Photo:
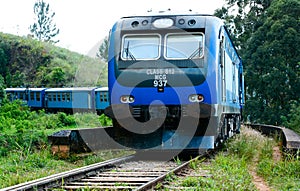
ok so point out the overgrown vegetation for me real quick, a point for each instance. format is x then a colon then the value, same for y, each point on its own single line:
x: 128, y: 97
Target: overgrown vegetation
x: 30, y: 63
x: 232, y: 168
x: 24, y: 148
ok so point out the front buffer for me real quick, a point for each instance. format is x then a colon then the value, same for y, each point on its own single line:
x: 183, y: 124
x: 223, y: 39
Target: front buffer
x: 192, y: 129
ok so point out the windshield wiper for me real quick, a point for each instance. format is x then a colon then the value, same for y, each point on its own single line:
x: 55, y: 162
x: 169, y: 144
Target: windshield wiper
x: 196, y: 52
x: 128, y: 53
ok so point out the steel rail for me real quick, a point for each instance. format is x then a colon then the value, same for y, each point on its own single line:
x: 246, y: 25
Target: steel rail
x: 57, y: 179
x: 151, y: 184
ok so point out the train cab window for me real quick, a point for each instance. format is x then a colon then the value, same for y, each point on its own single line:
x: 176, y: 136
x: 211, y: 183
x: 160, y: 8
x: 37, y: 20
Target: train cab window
x: 184, y: 46
x: 140, y: 47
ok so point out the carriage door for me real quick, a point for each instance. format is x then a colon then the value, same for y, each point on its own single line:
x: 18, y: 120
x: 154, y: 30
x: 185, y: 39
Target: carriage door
x: 222, y: 64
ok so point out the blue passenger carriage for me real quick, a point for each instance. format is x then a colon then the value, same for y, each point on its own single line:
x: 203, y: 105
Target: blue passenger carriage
x: 70, y: 99
x: 175, y: 81
x: 16, y: 93
x: 33, y: 97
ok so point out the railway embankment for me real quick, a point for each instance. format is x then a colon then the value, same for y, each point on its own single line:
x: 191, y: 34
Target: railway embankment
x: 248, y: 161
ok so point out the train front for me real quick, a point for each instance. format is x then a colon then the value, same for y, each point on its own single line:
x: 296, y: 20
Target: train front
x: 159, y: 90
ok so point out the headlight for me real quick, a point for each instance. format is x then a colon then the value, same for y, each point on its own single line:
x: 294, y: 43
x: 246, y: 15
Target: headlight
x: 196, y: 98
x: 163, y: 23
x: 127, y: 99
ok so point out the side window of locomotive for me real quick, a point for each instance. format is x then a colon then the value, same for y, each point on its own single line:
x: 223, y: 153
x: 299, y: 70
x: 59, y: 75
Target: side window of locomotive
x: 184, y: 46
x: 140, y: 47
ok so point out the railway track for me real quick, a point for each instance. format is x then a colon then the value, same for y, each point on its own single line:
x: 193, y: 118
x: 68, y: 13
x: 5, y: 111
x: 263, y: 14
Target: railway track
x: 56, y: 180
x: 126, y: 173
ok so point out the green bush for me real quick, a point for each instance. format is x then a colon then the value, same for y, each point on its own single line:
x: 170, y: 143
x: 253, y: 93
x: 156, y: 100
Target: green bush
x: 25, y: 130
x: 294, y: 117
x: 105, y: 121
x: 66, y: 120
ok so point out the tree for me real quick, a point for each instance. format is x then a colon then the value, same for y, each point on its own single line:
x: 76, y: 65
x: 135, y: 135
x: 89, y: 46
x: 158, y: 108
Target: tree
x: 242, y: 18
x: 267, y: 35
x: 56, y: 77
x: 272, y: 56
x: 103, y: 50
x: 43, y: 28
x: 4, y: 58
x: 2, y: 86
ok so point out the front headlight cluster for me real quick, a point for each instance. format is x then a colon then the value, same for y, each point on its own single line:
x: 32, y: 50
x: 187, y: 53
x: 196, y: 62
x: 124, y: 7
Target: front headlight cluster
x: 127, y: 99
x: 196, y: 98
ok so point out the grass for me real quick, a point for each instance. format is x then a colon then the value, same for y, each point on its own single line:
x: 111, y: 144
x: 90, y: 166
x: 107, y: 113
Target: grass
x: 24, y: 150
x: 20, y: 167
x: 284, y: 174
x: 230, y: 169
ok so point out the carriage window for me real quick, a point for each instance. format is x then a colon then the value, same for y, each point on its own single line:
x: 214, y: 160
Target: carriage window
x: 54, y: 96
x: 63, y: 97
x: 103, y: 97
x: 68, y: 96
x: 31, y: 95
x: 184, y: 46
x: 49, y: 97
x: 38, y: 97
x: 140, y: 47
x: 22, y: 96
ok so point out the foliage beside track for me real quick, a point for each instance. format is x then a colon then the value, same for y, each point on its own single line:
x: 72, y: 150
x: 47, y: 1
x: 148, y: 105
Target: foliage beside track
x: 233, y: 168
x: 24, y: 150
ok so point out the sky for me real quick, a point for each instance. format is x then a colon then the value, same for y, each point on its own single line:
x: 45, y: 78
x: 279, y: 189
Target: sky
x: 84, y: 24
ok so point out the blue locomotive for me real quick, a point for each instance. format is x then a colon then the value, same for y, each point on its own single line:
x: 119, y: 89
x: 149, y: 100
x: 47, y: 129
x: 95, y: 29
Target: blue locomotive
x: 76, y: 99
x: 175, y: 82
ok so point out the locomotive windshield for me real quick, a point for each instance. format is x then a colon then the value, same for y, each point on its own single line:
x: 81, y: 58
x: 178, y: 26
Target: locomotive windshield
x: 178, y: 46
x: 184, y: 46
x: 141, y: 47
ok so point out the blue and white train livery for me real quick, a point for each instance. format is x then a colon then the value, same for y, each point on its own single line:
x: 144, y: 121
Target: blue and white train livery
x: 75, y: 99
x: 175, y: 81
